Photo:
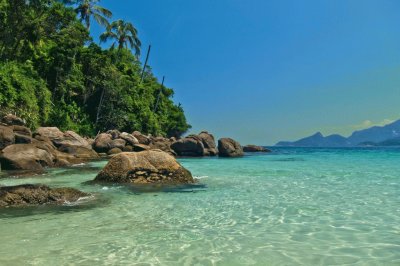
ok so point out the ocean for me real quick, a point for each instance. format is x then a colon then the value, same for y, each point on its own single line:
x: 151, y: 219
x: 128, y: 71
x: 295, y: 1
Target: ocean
x: 295, y: 206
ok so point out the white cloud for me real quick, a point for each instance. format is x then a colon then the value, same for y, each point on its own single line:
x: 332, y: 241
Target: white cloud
x: 368, y: 123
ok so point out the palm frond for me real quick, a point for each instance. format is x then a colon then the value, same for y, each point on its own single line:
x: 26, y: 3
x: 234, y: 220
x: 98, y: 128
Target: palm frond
x: 104, y: 11
x: 100, y: 19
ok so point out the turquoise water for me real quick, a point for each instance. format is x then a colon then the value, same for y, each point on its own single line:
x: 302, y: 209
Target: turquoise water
x: 292, y: 207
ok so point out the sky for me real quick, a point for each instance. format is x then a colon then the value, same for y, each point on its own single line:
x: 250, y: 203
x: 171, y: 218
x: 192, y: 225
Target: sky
x: 264, y: 71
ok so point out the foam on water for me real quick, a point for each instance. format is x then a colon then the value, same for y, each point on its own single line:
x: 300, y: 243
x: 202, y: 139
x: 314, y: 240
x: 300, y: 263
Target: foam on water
x: 292, y: 207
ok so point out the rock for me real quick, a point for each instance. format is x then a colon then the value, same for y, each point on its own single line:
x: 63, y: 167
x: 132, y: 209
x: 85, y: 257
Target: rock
x: 163, y: 144
x: 255, y: 148
x: 192, y: 145
x: 59, y: 138
x: 73, y: 139
x: 208, y: 140
x: 128, y: 138
x: 117, y: 143
x: 26, y: 157
x: 102, y: 142
x: 22, y: 130
x: 128, y: 148
x: 13, y: 120
x: 90, y: 141
x: 228, y: 147
x: 29, y: 195
x: 141, y: 147
x: 78, y: 152
x: 49, y: 132
x: 7, y: 137
x: 141, y: 138
x: 146, y: 167
x: 114, y: 133
x: 114, y: 151
x: 22, y: 139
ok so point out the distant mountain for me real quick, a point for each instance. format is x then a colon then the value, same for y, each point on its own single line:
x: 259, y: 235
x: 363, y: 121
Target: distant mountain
x: 317, y: 140
x: 376, y: 134
x: 388, y: 135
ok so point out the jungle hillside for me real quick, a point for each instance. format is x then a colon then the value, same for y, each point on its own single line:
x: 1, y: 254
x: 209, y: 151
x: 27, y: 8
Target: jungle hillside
x: 53, y: 73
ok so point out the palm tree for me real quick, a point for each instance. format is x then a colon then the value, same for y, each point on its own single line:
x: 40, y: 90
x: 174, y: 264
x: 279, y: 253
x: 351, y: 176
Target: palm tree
x: 89, y: 8
x: 124, y: 34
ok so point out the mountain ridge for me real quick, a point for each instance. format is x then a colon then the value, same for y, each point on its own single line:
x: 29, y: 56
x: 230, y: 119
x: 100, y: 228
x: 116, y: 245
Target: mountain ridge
x: 371, y: 136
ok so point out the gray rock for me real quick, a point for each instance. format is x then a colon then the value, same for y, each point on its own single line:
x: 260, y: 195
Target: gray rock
x: 228, y: 147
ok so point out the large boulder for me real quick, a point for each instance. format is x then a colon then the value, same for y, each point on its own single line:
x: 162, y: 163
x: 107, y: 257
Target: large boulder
x: 208, y: 140
x: 60, y: 138
x: 73, y: 139
x: 146, y: 167
x: 117, y: 143
x: 228, y: 147
x: 30, y: 195
x: 163, y: 144
x: 82, y: 153
x: 141, y: 138
x: 7, y: 136
x: 130, y: 139
x: 26, y: 157
x: 255, y: 148
x: 22, y: 134
x: 192, y: 145
x: 102, y: 142
x: 13, y: 120
x: 114, y: 133
x: 51, y: 133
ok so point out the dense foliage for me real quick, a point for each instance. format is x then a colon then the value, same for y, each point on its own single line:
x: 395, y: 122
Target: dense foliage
x: 52, y: 73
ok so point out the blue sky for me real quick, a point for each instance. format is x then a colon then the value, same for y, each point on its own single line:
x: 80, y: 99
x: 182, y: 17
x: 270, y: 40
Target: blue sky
x: 263, y: 71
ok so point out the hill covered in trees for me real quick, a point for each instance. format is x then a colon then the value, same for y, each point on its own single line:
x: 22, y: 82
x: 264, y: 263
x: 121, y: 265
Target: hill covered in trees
x: 53, y: 74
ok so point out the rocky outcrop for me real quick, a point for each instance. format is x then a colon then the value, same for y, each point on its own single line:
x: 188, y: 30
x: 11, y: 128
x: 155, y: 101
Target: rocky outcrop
x: 255, y: 148
x: 191, y: 145
x: 51, y: 133
x: 26, y: 157
x: 130, y: 139
x: 7, y: 136
x: 163, y: 144
x: 59, y: 138
x: 146, y: 167
x: 143, y: 139
x: 102, y: 142
x: 80, y: 153
x: 208, y: 140
x: 114, y: 151
x: 228, y: 147
x: 32, y: 195
x: 13, y: 120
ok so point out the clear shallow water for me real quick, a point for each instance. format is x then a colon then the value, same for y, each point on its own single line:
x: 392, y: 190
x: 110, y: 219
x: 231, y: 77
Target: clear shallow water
x: 292, y: 207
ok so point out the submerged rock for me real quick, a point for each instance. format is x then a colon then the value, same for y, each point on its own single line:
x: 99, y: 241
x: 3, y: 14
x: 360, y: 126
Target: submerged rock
x: 228, y: 147
x: 146, y: 167
x: 255, y: 148
x: 29, y: 195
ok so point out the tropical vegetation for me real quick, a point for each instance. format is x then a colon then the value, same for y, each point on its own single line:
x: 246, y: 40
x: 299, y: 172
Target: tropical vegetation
x: 53, y: 73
